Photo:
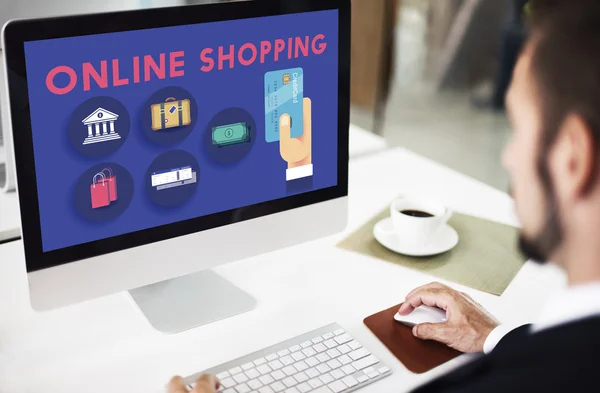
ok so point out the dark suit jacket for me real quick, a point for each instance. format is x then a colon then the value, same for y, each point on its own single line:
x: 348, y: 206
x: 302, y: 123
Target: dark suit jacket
x: 564, y: 359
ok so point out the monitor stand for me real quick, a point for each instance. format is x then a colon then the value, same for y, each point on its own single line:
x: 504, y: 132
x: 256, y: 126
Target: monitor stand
x: 183, y: 303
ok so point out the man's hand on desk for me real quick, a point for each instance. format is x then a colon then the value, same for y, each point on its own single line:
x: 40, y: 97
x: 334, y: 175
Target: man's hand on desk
x: 467, y: 324
x: 205, y: 384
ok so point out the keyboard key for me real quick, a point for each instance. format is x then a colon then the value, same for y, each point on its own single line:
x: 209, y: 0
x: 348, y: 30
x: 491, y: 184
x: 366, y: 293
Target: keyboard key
x: 271, y: 357
x: 334, y: 364
x: 284, y: 352
x: 304, y: 387
x: 383, y: 370
x: 243, y: 388
x: 337, y: 386
x: 323, y: 368
x: 252, y: 374
x: 323, y: 357
x: 317, y: 340
x: 326, y: 378
x: 369, y: 370
x: 223, y: 375
x: 345, y: 359
x: 301, y: 365
x: 344, y: 349
x: 362, y: 378
x: 343, y: 339
x: 292, y: 390
x: 278, y: 375
x: 338, y: 374
x: 301, y: 377
x: 228, y: 382
x: 289, y: 382
x: 256, y: 384
x: 247, y: 366
x: 359, y: 354
x: 374, y: 374
x: 289, y: 370
x: 287, y: 360
x: 235, y: 370
x: 265, y: 389
x: 312, y: 361
x: 322, y: 389
x: 228, y: 391
x: 308, y: 352
x: 264, y: 369
x: 350, y: 381
x: 278, y: 387
x: 339, y: 332
x: 354, y: 345
x: 266, y: 379
x: 315, y: 383
x: 295, y: 348
x: 365, y: 362
x: 259, y: 362
x: 306, y: 344
x: 348, y: 369
x: 298, y: 356
x: 276, y: 365
x: 240, y: 378
x: 333, y: 353
x: 330, y: 344
x: 312, y: 373
x: 319, y: 348
x: 327, y: 336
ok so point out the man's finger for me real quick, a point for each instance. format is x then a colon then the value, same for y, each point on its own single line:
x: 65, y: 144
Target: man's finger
x: 431, y: 285
x: 429, y: 297
x: 176, y: 385
x: 206, y: 384
x: 431, y: 331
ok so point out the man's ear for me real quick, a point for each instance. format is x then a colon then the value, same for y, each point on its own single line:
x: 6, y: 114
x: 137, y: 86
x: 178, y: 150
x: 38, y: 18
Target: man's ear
x: 573, y: 159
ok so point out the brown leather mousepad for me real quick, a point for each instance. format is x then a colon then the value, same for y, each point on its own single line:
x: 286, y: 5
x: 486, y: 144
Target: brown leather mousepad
x: 417, y: 355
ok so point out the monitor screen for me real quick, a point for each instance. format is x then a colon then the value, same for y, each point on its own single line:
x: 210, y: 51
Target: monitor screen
x: 140, y: 129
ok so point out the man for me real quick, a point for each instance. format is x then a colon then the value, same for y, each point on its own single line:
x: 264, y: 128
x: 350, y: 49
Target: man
x: 554, y: 163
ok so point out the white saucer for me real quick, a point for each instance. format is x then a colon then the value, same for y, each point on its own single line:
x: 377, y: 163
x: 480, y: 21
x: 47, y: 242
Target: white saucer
x: 446, y: 239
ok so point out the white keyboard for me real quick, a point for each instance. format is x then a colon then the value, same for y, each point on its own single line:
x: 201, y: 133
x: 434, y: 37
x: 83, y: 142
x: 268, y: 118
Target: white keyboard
x: 327, y: 360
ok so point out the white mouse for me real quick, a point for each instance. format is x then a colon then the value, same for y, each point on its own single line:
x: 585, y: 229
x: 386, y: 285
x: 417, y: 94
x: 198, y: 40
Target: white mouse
x: 423, y: 314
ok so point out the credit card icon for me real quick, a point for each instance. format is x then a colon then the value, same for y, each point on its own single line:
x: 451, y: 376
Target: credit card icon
x: 284, y: 94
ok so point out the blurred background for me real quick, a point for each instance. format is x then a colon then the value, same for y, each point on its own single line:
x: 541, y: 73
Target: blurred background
x: 428, y: 75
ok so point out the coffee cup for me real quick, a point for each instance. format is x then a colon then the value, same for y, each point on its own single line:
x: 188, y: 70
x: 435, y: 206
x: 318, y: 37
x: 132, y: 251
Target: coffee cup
x: 416, y: 220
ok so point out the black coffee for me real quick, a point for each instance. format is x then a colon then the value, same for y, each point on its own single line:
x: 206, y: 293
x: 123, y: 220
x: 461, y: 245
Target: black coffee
x: 416, y: 213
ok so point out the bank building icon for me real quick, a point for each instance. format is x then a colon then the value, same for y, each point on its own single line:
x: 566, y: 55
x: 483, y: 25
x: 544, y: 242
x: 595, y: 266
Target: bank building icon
x: 101, y: 127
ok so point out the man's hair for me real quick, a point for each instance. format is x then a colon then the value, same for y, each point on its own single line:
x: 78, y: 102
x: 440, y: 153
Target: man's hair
x: 565, y: 64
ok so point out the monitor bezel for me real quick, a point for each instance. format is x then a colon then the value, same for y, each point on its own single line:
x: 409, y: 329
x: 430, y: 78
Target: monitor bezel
x: 17, y: 33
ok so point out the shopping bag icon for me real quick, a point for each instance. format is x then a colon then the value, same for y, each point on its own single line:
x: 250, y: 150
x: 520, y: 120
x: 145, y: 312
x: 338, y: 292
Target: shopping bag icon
x: 99, y: 191
x: 111, y: 179
x: 170, y: 114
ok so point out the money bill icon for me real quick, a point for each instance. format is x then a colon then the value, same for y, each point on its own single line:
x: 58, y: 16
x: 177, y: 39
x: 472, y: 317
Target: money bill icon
x: 231, y: 134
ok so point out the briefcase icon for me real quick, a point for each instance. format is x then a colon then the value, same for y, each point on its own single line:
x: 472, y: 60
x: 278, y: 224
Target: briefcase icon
x: 170, y: 114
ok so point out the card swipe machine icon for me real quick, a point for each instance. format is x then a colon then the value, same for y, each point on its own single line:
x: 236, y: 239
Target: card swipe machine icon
x: 170, y: 114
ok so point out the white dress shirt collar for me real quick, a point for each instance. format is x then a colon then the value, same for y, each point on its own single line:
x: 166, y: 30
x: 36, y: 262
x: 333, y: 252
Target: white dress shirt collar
x: 569, y: 305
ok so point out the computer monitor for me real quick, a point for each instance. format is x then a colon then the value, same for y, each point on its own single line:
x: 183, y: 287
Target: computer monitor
x: 154, y: 144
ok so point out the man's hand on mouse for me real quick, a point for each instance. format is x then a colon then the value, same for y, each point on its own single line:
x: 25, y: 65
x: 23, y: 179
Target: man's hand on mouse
x: 467, y: 324
x: 204, y: 384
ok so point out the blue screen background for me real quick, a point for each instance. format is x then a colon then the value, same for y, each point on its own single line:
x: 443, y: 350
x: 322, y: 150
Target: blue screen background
x: 260, y: 176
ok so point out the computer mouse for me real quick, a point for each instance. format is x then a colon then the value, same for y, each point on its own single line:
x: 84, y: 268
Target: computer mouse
x: 423, y: 314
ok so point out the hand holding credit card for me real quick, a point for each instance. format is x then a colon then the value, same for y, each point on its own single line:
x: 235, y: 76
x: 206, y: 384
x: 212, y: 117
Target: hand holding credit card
x: 297, y: 152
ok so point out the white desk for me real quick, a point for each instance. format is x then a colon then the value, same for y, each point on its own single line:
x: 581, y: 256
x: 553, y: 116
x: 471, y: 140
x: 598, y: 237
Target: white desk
x: 364, y: 143
x: 105, y: 345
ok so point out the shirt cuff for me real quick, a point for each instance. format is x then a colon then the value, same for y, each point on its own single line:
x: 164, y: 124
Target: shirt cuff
x: 496, y: 336
x: 299, y: 172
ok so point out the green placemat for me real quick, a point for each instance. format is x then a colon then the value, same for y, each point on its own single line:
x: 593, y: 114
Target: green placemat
x: 486, y: 257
